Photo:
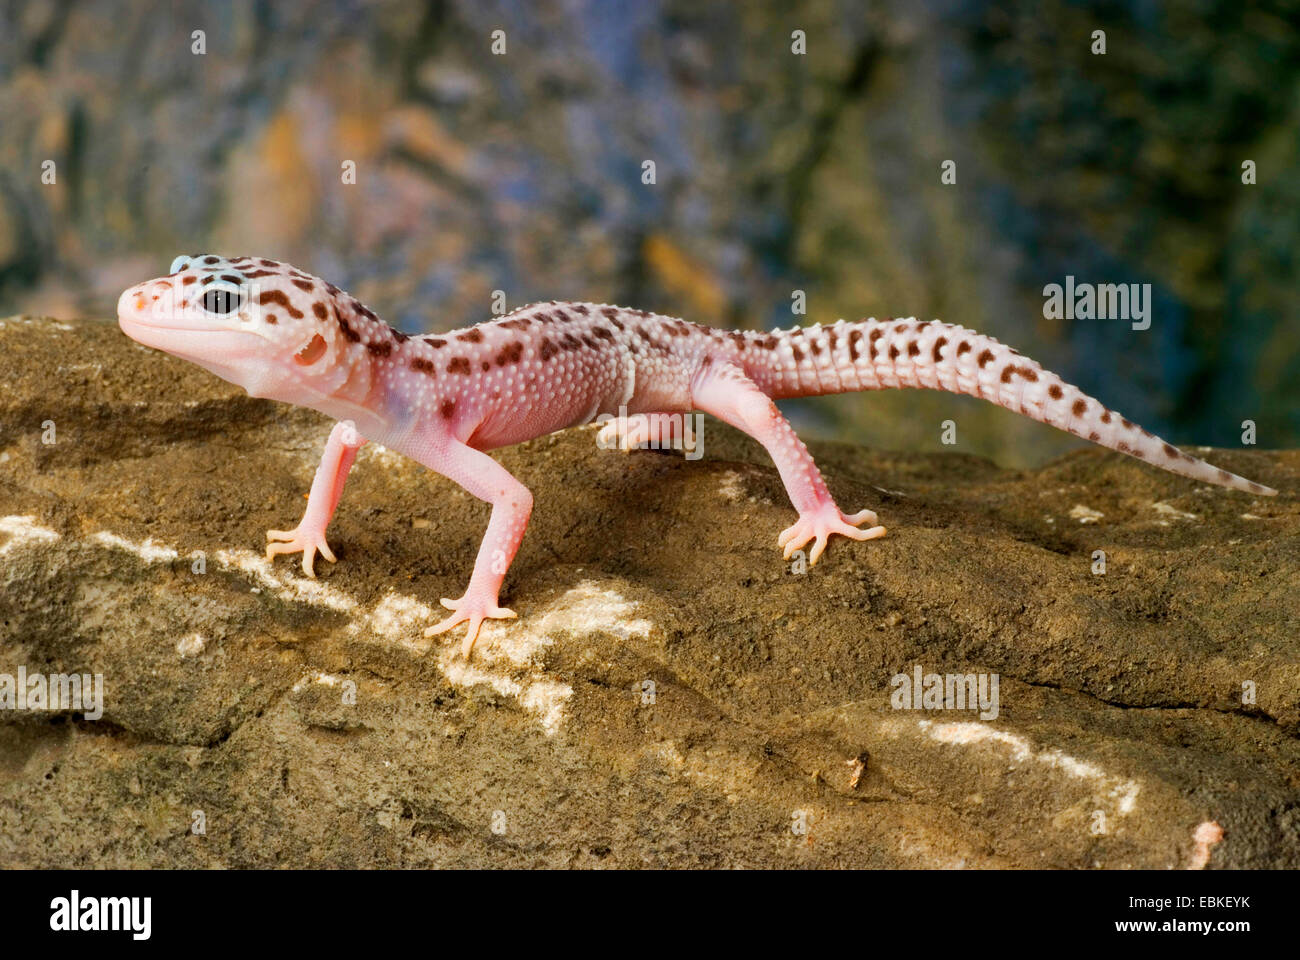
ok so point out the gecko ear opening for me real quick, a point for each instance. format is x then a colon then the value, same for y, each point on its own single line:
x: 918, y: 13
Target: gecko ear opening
x: 314, y: 350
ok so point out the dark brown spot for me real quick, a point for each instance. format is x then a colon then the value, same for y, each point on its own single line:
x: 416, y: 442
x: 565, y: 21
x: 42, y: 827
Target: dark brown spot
x: 708, y: 361
x: 798, y: 354
x: 963, y: 347
x: 435, y: 342
x: 278, y: 297
x: 348, y: 331
x: 609, y: 312
x: 816, y: 347
x: 616, y: 323
x: 900, y: 327
x: 985, y: 357
x: 1055, y: 391
x: 1029, y: 374
x: 518, y: 323
x: 512, y: 353
x: 486, y: 366
x: 603, y: 332
x: 1105, y: 416
x: 380, y: 349
x: 458, y: 365
x: 938, y: 346
x: 643, y: 335
x: 580, y: 308
x: 1171, y: 451
x: 1080, y: 408
x: 1008, y: 372
x: 548, y: 349
x: 447, y: 409
x: 211, y: 259
x: 302, y: 284
x: 1094, y: 436
x: 268, y: 263
x: 768, y: 343
x: 590, y: 343
x: 318, y: 308
x: 913, y: 349
x: 893, y: 351
x: 1128, y: 424
x: 254, y: 274
x: 470, y: 336
x: 231, y: 278
x: 422, y: 365
x: 1123, y: 447
x: 186, y: 281
x: 270, y: 318
x: 570, y: 342
x: 854, y: 337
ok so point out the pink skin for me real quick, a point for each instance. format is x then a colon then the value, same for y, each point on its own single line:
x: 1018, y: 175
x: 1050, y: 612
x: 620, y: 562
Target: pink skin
x: 445, y: 399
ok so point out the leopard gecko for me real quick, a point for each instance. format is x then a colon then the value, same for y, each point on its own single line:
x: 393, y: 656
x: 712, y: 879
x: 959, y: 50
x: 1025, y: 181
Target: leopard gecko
x: 445, y: 399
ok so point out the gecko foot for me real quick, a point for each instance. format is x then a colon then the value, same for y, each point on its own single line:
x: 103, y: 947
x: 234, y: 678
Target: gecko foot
x: 298, y: 539
x: 475, y: 611
x: 821, y: 524
x: 641, y: 430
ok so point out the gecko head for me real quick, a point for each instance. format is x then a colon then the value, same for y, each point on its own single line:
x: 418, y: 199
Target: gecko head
x: 270, y: 328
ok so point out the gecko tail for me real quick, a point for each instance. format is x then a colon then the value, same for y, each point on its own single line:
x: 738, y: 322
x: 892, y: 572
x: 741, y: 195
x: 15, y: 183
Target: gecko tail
x: 879, y: 355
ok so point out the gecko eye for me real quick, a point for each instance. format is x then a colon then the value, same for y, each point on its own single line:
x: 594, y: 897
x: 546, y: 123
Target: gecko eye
x: 222, y: 301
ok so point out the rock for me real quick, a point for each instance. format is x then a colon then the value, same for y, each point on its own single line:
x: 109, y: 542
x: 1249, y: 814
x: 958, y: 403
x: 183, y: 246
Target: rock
x: 673, y: 694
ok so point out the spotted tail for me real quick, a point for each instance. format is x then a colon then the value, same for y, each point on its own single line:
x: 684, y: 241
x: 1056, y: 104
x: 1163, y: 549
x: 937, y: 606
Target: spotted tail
x: 871, y: 355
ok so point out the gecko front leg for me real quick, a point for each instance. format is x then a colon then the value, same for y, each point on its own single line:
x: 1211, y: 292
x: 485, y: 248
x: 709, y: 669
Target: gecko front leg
x: 729, y: 395
x: 309, y: 536
x: 512, y: 504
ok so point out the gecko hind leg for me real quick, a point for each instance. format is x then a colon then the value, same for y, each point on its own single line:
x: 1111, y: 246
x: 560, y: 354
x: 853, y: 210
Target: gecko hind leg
x: 732, y: 397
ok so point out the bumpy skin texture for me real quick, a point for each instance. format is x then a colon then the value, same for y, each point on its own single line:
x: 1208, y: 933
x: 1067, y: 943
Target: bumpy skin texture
x: 444, y: 399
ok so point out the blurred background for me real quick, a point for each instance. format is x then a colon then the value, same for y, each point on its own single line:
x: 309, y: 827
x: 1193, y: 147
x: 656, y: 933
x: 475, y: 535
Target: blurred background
x: 774, y: 172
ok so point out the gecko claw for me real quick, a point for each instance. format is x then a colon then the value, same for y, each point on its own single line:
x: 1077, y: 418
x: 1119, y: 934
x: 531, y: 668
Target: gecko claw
x: 293, y: 541
x: 472, y: 611
x: 820, y: 526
